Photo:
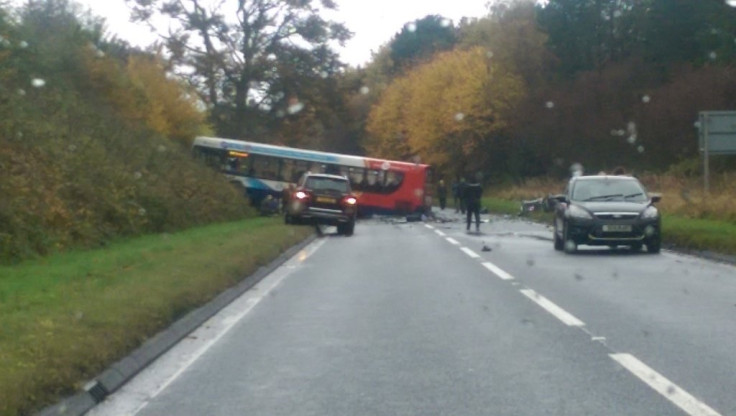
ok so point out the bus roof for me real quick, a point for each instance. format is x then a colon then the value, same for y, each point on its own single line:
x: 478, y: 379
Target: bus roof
x: 302, y: 154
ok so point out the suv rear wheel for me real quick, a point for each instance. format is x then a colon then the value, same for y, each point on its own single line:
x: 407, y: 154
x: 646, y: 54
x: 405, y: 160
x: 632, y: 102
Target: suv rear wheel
x: 346, y: 228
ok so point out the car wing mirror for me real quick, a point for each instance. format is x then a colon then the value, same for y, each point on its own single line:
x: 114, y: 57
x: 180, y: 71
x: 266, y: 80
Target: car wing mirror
x: 558, y: 198
x: 655, y: 197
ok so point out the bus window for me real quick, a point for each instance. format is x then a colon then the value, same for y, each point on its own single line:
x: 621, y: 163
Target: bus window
x: 332, y: 169
x: 288, y: 170
x: 393, y: 181
x: 265, y: 167
x: 213, y: 158
x: 317, y: 167
x: 356, y: 176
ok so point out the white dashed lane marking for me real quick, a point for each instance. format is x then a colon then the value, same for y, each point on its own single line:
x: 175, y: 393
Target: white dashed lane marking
x: 470, y: 252
x: 559, y: 313
x: 497, y: 271
x: 656, y: 381
x: 663, y: 386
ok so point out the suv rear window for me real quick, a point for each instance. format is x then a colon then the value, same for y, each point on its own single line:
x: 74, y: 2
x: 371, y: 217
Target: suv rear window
x: 324, y: 184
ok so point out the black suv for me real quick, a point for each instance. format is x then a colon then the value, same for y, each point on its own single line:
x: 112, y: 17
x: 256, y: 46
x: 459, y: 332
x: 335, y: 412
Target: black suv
x: 323, y: 199
x: 607, y: 210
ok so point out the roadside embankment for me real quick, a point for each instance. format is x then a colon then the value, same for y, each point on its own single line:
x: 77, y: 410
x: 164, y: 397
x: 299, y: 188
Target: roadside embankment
x: 67, y: 317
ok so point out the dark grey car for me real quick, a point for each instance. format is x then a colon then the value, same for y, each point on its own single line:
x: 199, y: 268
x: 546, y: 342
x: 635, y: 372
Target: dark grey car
x: 607, y: 211
x: 323, y: 199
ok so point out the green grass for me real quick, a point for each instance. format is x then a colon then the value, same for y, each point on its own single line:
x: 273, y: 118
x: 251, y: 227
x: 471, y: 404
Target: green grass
x: 686, y: 233
x: 700, y: 234
x: 66, y: 317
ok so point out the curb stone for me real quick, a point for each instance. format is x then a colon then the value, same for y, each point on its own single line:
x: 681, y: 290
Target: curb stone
x: 120, y: 372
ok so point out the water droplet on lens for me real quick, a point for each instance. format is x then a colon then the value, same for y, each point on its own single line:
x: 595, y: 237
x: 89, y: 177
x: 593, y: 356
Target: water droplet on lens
x: 631, y: 139
x: 446, y: 22
x: 21, y: 91
x: 411, y: 27
x: 324, y: 74
x: 38, y: 82
x: 23, y: 44
x: 137, y: 175
x: 459, y: 117
x: 295, y: 108
x: 617, y: 13
x: 731, y: 3
x: 645, y: 99
x: 365, y: 90
x: 713, y: 55
x: 640, y: 149
x: 549, y: 104
x: 161, y: 148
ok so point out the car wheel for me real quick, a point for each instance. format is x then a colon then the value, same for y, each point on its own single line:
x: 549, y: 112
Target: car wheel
x: 341, y: 229
x: 654, y: 246
x: 570, y: 246
x: 559, y: 243
x: 349, y: 228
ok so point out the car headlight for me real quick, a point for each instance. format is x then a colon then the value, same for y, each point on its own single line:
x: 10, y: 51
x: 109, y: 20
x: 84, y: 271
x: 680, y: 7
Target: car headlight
x: 574, y: 211
x: 649, y: 213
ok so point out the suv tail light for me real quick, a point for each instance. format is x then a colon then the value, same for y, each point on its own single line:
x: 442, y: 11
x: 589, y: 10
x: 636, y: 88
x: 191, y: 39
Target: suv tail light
x: 350, y: 200
x: 301, y: 195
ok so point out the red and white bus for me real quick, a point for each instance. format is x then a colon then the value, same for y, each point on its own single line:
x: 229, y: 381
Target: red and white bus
x: 384, y: 187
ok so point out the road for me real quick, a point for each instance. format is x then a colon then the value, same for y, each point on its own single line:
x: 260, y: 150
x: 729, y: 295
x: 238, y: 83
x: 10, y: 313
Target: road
x: 426, y: 319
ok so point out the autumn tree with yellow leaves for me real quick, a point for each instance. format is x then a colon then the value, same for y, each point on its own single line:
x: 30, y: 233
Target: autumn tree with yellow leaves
x: 446, y: 111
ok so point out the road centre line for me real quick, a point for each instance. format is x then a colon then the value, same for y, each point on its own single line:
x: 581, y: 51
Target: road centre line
x: 559, y: 313
x: 453, y: 241
x: 439, y: 233
x: 663, y: 386
x: 429, y: 226
x: 470, y: 252
x: 497, y: 271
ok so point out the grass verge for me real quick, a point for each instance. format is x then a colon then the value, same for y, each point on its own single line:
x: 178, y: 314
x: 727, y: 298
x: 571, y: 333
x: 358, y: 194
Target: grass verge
x: 698, y: 234
x: 66, y: 317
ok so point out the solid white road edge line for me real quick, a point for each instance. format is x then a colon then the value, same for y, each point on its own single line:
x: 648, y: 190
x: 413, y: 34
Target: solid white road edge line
x: 497, y: 271
x: 559, y: 313
x: 663, y: 386
x: 453, y: 241
x: 469, y: 252
x: 263, y: 289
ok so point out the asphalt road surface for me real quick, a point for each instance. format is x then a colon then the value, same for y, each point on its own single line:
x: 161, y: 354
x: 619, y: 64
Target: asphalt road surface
x: 426, y: 319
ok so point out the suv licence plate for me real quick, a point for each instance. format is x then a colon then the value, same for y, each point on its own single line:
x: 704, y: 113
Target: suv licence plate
x: 326, y: 200
x: 617, y: 228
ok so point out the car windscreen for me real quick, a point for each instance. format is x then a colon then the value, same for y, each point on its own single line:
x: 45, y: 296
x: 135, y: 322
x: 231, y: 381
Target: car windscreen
x: 609, y: 190
x: 327, y: 184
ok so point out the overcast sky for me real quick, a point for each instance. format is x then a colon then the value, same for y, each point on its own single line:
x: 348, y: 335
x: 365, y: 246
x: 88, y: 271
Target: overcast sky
x: 373, y: 22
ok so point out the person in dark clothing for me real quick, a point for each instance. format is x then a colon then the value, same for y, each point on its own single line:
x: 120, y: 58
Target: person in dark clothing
x: 442, y: 193
x: 459, y: 198
x: 472, y: 193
